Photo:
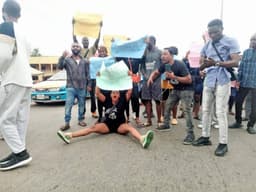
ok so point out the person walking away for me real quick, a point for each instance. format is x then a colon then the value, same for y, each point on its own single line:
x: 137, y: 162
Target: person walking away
x: 17, y: 83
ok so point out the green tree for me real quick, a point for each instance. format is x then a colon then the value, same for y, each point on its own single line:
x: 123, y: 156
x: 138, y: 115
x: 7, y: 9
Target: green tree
x: 35, y: 52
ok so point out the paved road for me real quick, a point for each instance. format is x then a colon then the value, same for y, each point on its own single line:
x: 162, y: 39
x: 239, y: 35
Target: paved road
x: 118, y: 163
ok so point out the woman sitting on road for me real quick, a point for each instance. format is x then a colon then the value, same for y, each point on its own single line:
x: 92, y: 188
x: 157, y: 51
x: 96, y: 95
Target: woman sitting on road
x: 114, y: 121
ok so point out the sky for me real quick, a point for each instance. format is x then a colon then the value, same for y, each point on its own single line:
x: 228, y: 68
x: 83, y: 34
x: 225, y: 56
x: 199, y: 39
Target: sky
x: 173, y: 22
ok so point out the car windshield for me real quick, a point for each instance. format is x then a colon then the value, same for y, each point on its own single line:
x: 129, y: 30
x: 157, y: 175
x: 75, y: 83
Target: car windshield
x: 60, y: 76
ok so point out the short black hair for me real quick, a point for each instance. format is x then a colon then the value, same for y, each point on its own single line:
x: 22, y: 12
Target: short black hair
x: 215, y: 22
x: 153, y: 39
x: 172, y: 50
x: 11, y: 8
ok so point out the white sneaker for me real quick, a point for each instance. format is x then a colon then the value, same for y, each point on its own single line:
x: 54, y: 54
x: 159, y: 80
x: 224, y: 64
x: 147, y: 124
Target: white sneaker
x: 174, y: 122
x: 215, y: 126
x: 200, y: 126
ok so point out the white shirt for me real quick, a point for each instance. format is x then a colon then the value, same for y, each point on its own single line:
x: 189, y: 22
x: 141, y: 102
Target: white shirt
x: 19, y: 72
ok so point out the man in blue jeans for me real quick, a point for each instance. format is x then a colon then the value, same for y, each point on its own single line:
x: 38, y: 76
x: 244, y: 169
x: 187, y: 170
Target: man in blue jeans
x: 78, y: 78
x: 246, y: 83
x: 217, y: 55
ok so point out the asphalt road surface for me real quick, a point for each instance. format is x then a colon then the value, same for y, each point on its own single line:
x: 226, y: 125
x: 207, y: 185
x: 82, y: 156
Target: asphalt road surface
x: 118, y: 163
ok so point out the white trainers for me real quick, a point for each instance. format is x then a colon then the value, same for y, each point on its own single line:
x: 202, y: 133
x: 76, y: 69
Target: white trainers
x: 214, y: 125
x: 200, y: 126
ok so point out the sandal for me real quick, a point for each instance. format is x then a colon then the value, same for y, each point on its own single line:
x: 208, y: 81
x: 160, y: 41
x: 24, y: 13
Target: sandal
x: 197, y: 118
x: 82, y: 123
x: 138, y: 123
x: 147, y: 124
x: 65, y: 127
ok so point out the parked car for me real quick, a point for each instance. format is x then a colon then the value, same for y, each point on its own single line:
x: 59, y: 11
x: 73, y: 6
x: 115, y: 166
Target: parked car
x: 50, y: 90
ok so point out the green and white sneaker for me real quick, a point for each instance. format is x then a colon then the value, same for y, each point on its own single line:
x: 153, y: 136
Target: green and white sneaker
x: 147, y: 138
x: 64, y: 136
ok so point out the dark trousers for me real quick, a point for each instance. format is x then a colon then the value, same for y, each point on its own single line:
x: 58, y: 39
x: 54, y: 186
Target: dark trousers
x: 242, y: 92
x: 135, y: 99
x: 100, y: 109
x: 92, y: 95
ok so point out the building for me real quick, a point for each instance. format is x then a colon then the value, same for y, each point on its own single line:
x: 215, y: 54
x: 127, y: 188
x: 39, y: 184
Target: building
x: 45, y: 64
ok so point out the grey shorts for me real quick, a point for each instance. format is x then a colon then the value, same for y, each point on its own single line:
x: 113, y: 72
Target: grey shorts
x: 153, y: 91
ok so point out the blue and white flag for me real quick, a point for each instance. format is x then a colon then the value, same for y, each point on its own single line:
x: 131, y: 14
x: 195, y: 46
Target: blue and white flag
x: 129, y: 49
x: 96, y: 62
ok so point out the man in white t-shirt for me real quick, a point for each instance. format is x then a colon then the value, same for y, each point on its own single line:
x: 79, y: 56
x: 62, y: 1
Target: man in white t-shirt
x: 17, y: 84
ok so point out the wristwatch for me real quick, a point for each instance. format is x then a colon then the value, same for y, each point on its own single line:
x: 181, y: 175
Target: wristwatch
x: 217, y: 64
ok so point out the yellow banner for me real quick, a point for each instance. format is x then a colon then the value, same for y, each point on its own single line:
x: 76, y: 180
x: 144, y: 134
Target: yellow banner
x: 87, y: 24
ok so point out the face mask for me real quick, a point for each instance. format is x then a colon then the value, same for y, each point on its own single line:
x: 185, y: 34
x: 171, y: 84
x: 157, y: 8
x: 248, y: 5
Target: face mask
x: 76, y: 51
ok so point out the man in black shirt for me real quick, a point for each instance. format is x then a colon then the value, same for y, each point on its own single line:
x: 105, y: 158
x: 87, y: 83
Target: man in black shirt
x: 181, y: 80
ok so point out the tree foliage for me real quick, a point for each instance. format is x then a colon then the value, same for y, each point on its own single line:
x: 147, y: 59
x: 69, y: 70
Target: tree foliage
x: 35, y: 52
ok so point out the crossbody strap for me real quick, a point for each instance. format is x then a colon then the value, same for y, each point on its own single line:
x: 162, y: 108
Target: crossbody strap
x: 216, y: 50
x: 230, y: 70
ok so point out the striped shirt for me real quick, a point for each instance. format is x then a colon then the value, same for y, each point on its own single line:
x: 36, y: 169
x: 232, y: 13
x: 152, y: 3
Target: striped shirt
x: 247, y: 69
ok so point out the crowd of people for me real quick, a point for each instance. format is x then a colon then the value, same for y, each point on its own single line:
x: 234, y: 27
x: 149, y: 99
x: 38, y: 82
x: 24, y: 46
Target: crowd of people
x: 206, y: 89
x: 205, y: 92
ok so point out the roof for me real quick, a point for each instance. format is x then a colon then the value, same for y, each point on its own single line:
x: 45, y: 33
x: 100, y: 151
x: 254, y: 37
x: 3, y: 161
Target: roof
x: 44, y: 60
x: 35, y: 71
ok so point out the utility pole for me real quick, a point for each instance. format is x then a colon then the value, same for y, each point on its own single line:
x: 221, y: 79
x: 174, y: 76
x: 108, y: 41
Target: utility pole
x: 221, y: 9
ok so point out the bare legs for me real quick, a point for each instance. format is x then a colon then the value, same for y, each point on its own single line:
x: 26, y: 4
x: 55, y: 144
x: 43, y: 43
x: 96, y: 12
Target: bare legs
x: 126, y: 128
x: 97, y: 128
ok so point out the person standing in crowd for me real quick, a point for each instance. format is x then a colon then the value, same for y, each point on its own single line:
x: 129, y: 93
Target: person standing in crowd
x: 134, y: 66
x: 102, y: 52
x: 167, y: 88
x: 17, y: 83
x: 247, y: 82
x: 77, y: 69
x: 88, y: 52
x: 247, y: 106
x: 179, y: 76
x: 197, y: 83
x: 232, y: 97
x: 153, y: 91
x: 217, y: 55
